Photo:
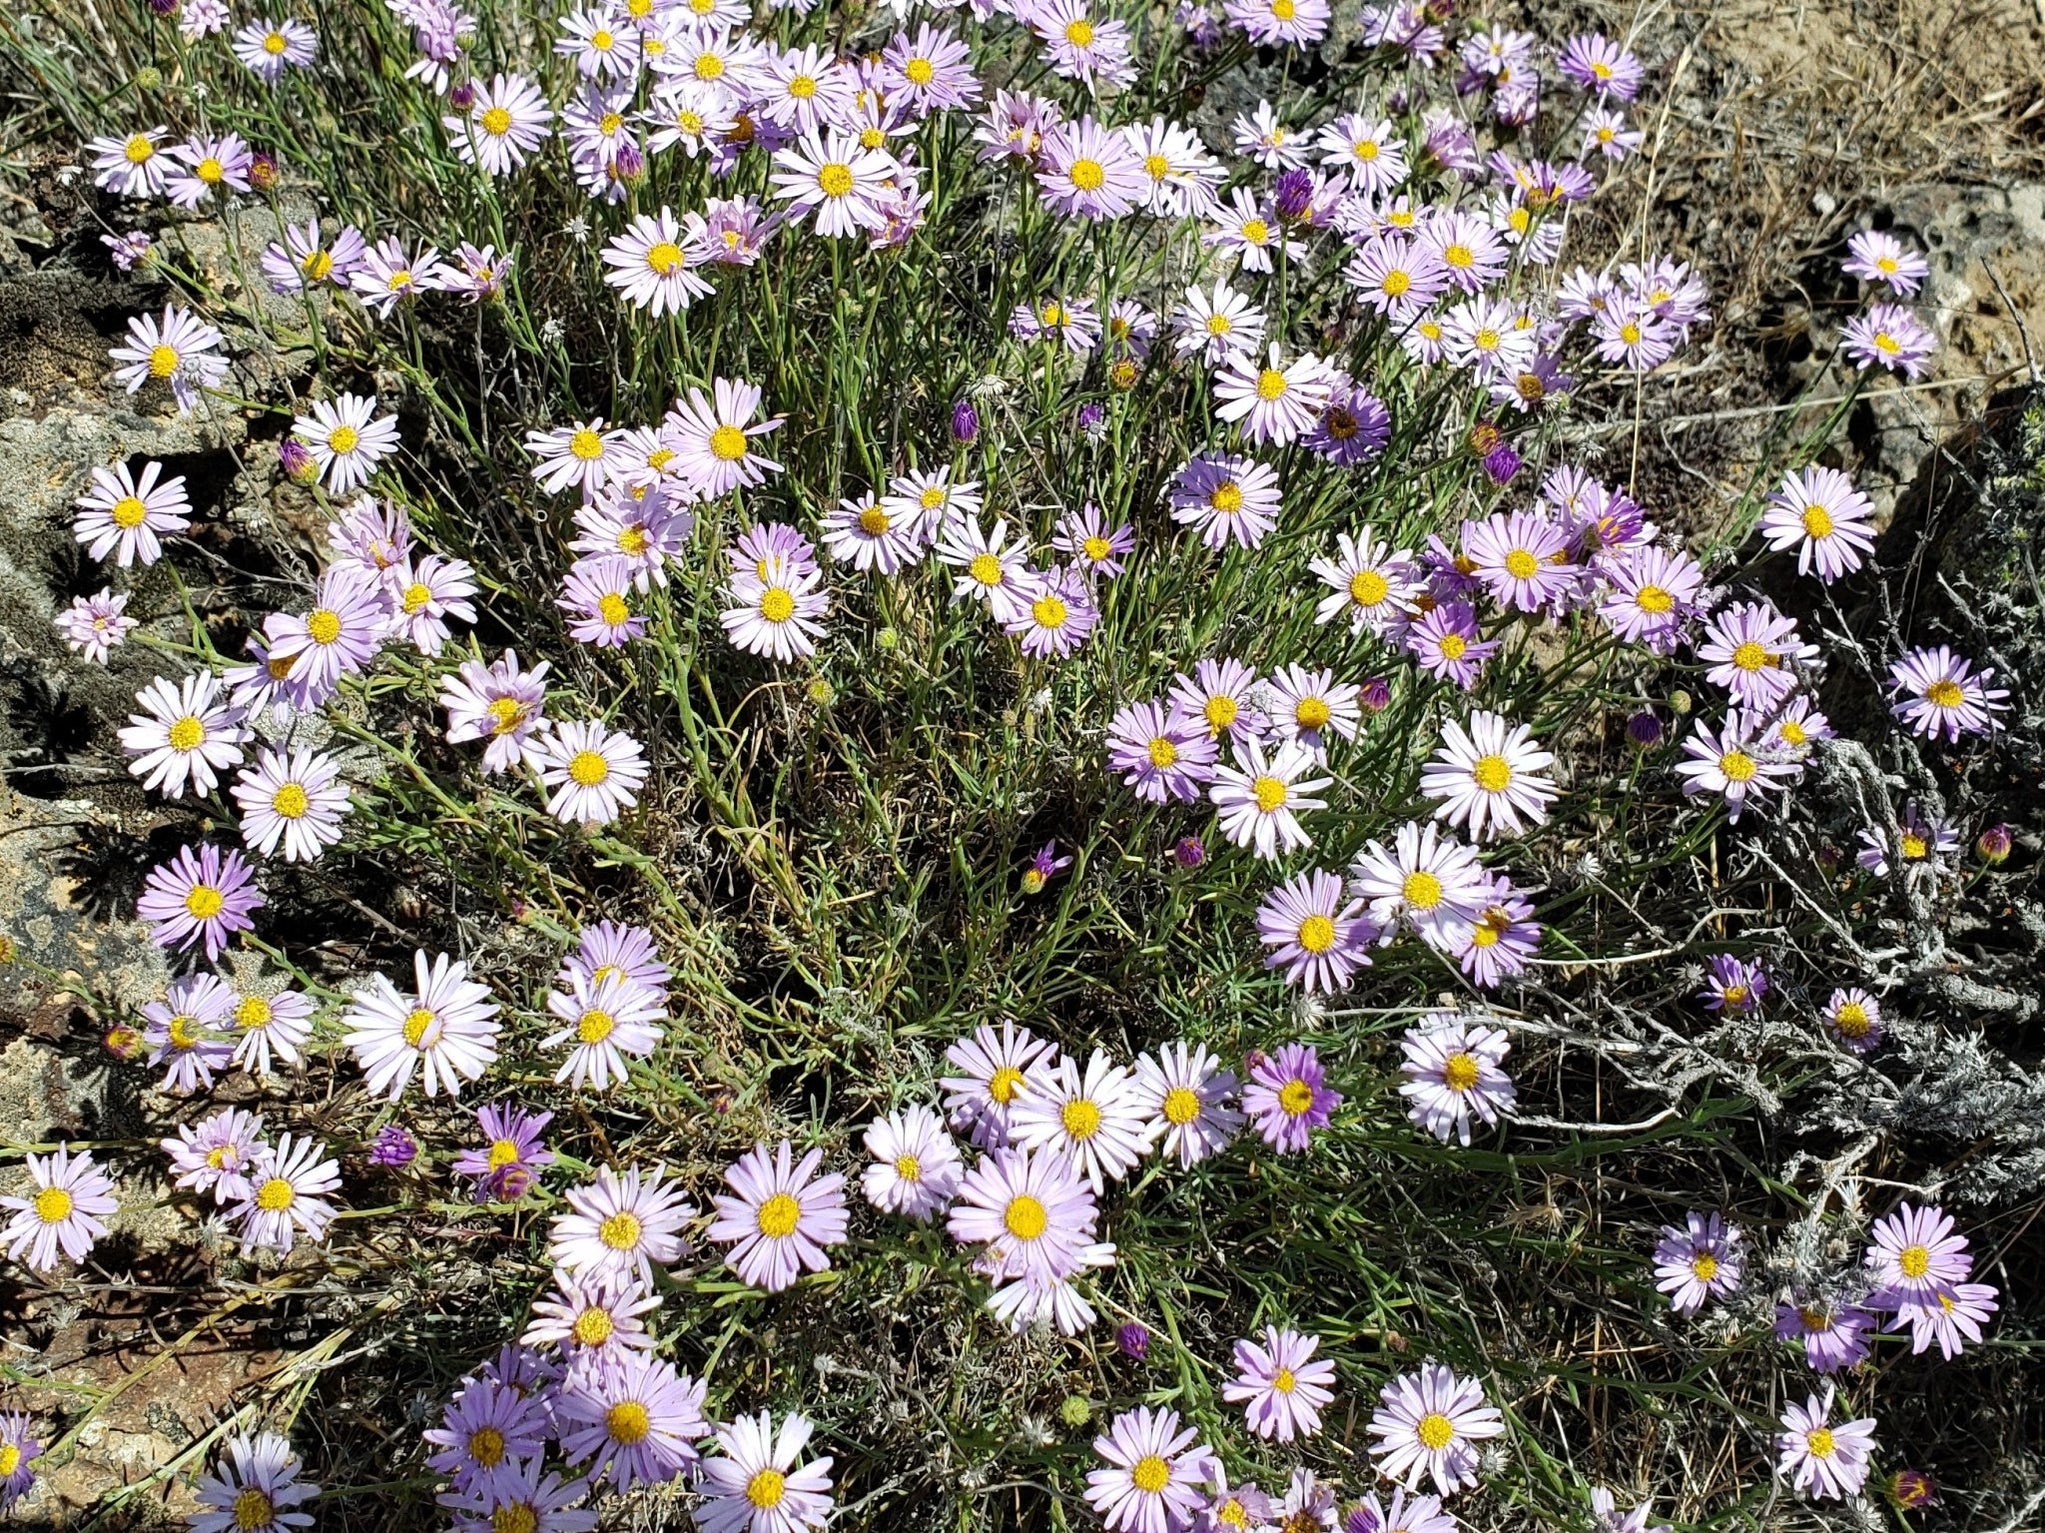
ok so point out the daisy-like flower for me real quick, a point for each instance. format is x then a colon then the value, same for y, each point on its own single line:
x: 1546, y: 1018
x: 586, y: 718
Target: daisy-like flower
x: 1260, y: 135
x: 1220, y: 698
x: 596, y: 597
x: 206, y: 165
x: 1280, y: 1384
x: 1488, y: 776
x: 389, y: 274
x: 867, y: 535
x: 650, y: 264
x: 632, y: 1416
x: 1216, y: 326
x: 1274, y: 23
x: 1918, y: 845
x: 337, y: 636
x: 1834, y: 1336
x: 1952, y: 1319
x: 487, y: 1434
x: 268, y: 48
x: 294, y: 798
x: 446, y: 1028
x: 712, y: 436
x: 1075, y: 322
x: 779, y: 612
x: 200, y: 897
x: 584, y: 454
x: 991, y: 569
x: 1094, y: 1117
x: 1402, y: 1514
x: 1259, y: 799
x: 1229, y: 497
x: 275, y: 1022
x: 1354, y: 427
x: 833, y: 176
x: 301, y: 261
x: 19, y: 1450
x: 619, y: 1225
x: 1502, y: 938
x: 252, y: 1488
x: 1087, y: 170
x: 1891, y: 336
x: 916, y: 1166
x: 1190, y: 1100
x: 1446, y: 642
x: 498, y: 703
x: 288, y: 1184
x: 94, y: 626
x: 131, y: 165
x: 1317, y: 936
x: 1031, y: 1211
x: 1288, y: 1097
x: 506, y: 122
x: 1454, y: 1070
x: 180, y: 349
x: 780, y: 1216
x: 1819, y: 513
x: 534, y: 1498
x: 1272, y: 403
x: 1915, y: 1256
x: 1304, y: 706
x: 1854, y: 1018
x: 425, y: 595
x: 1370, y: 152
x: 127, y: 518
x: 1650, y: 593
x: 1427, y: 1424
x: 1598, y: 64
x: 215, y: 1154
x: 1877, y: 256
x: 1731, y: 762
x: 185, y: 737
x: 994, y: 1064
x: 1153, y: 1476
x: 1060, y: 616
x: 603, y: 44
x: 592, y: 774
x: 605, y: 1021
x: 1939, y: 693
x: 476, y: 272
x: 1396, y: 276
x: 591, y: 1318
x: 1428, y: 881
x: 755, y: 1484
x: 1521, y: 558
x: 1236, y: 1508
x: 185, y: 1031
x: 65, y: 1212
x: 1819, y: 1458
x: 613, y: 948
x: 512, y: 1151
x: 1751, y: 649
x: 646, y: 525
x: 1084, y: 46
x: 1094, y: 547
x: 1732, y: 986
x: 931, y: 72
x: 925, y: 502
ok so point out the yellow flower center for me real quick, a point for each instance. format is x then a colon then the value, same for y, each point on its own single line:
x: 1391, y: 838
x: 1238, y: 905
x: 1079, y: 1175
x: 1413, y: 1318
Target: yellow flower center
x: 1913, y: 1261
x: 276, y: 1195
x: 1256, y: 231
x: 128, y: 511
x: 253, y: 1011
x: 1737, y: 766
x: 506, y: 714
x: 183, y: 1031
x: 1003, y: 1083
x: 612, y: 609
x: 1490, y: 927
x: 873, y: 521
x: 1219, y: 324
x: 163, y: 360
x: 422, y: 1027
x: 1220, y: 712
x: 593, y: 1327
x: 1820, y: 1441
x: 515, y: 1517
x: 908, y: 1168
x: 920, y: 71
x: 138, y: 149
x: 1453, y: 646
x: 1284, y: 1381
x: 594, y: 1026
x: 53, y: 1205
x: 1852, y: 1019
x: 1521, y: 565
x: 777, y: 605
x: 1311, y: 713
x: 619, y: 1232
x: 1079, y: 33
x: 1435, y: 1431
x: 710, y: 67
x: 1081, y: 1119
x: 1163, y: 753
x: 418, y: 595
x: 1653, y: 599
x: 1284, y: 10
x: 1485, y: 340
x: 323, y: 625
x: 1087, y: 175
x: 1317, y: 933
x: 343, y: 439
x: 1944, y: 692
x: 778, y: 1215
x: 204, y: 902
x: 209, y: 170
x: 1751, y: 657
x: 187, y: 734
x: 1914, y: 846
x: 1156, y: 166
x: 317, y: 265
x: 1269, y: 793
x: 1048, y: 611
x: 766, y: 1488
x: 1295, y: 1097
x: 664, y: 258
x: 1491, y: 773
x: 496, y: 121
x: 1270, y: 384
x: 1817, y: 521
x: 728, y: 443
x: 274, y: 43
x: 1151, y: 1474
x: 502, y: 1153
x: 586, y: 444
x: 1367, y: 588
x: 1459, y: 1071
x: 602, y: 40
x: 986, y: 569
x: 1704, y: 1266
x: 1226, y: 497
x: 291, y: 801
x: 252, y: 1509
x: 1181, y: 1105
x: 1421, y: 889
x: 627, y: 1422
x: 486, y: 1446
x: 835, y: 179
x: 1459, y: 256
x: 588, y: 768
x: 1025, y: 1218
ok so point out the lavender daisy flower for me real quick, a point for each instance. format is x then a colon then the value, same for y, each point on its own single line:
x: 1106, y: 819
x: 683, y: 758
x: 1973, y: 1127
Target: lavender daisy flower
x: 1889, y: 336
x: 1953, y: 1320
x: 1229, y: 497
x: 1488, y: 776
x: 1043, y: 867
x: 253, y: 1486
x: 1288, y: 1097
x: 651, y: 264
x: 1093, y: 1116
x: 1446, y: 642
x: 916, y: 1169
x: 64, y: 1212
x: 1258, y: 801
x: 303, y: 260
x: 180, y: 350
x: 994, y: 1065
x: 1452, y: 1071
x: 293, y: 799
x: 511, y: 1153
x: 1732, y: 986
x: 1091, y: 544
x: 591, y: 774
x: 1601, y: 65
x: 1822, y: 1460
x: 1281, y: 1385
x: 1031, y: 1212
x: 618, y: 1226
x: 1824, y: 518
x: 273, y: 1023
x: 1316, y: 935
x: 1915, y: 1256
x: 1162, y: 755
x: 782, y: 1216
x: 1698, y: 1262
x: 1425, y: 880
x: 592, y: 1318
x: 596, y: 597
x: 1855, y: 1018
x: 347, y: 439
x: 1354, y: 427
x: 1605, y: 1507
x: 1917, y: 845
x: 1273, y: 404
x: 288, y: 1185
x: 199, y: 897
x: 1750, y: 648
x: 1427, y: 1424
x: 1876, y: 256
x: 1731, y: 762
x: 1153, y: 1474
x: 338, y: 636
x: 268, y: 48
x: 632, y: 1416
x: 755, y: 1485
x: 1220, y: 697
x: 498, y: 703
x: 215, y: 1154
x: 486, y: 1436
x: 128, y: 517
x: 1502, y: 937
x: 1834, y: 1336
x: 186, y: 1031
x: 1651, y: 592
x: 1521, y: 559
x: 19, y: 1450
x: 185, y: 736
x: 1190, y: 1099
x: 1940, y: 693
x: 1060, y: 616
x: 446, y: 1028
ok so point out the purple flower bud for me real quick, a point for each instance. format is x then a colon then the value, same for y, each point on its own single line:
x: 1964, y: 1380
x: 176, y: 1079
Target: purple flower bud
x: 1294, y: 194
x: 630, y: 163
x: 463, y: 96
x: 297, y: 461
x: 1501, y: 463
x: 1644, y: 729
x: 509, y: 1183
x: 263, y: 170
x: 1189, y: 852
x: 393, y: 1147
x: 1092, y: 415
x: 1993, y: 845
x: 1134, y: 1341
x: 122, y: 1042
x: 1375, y: 695
x: 965, y: 422
x: 1909, y: 1489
